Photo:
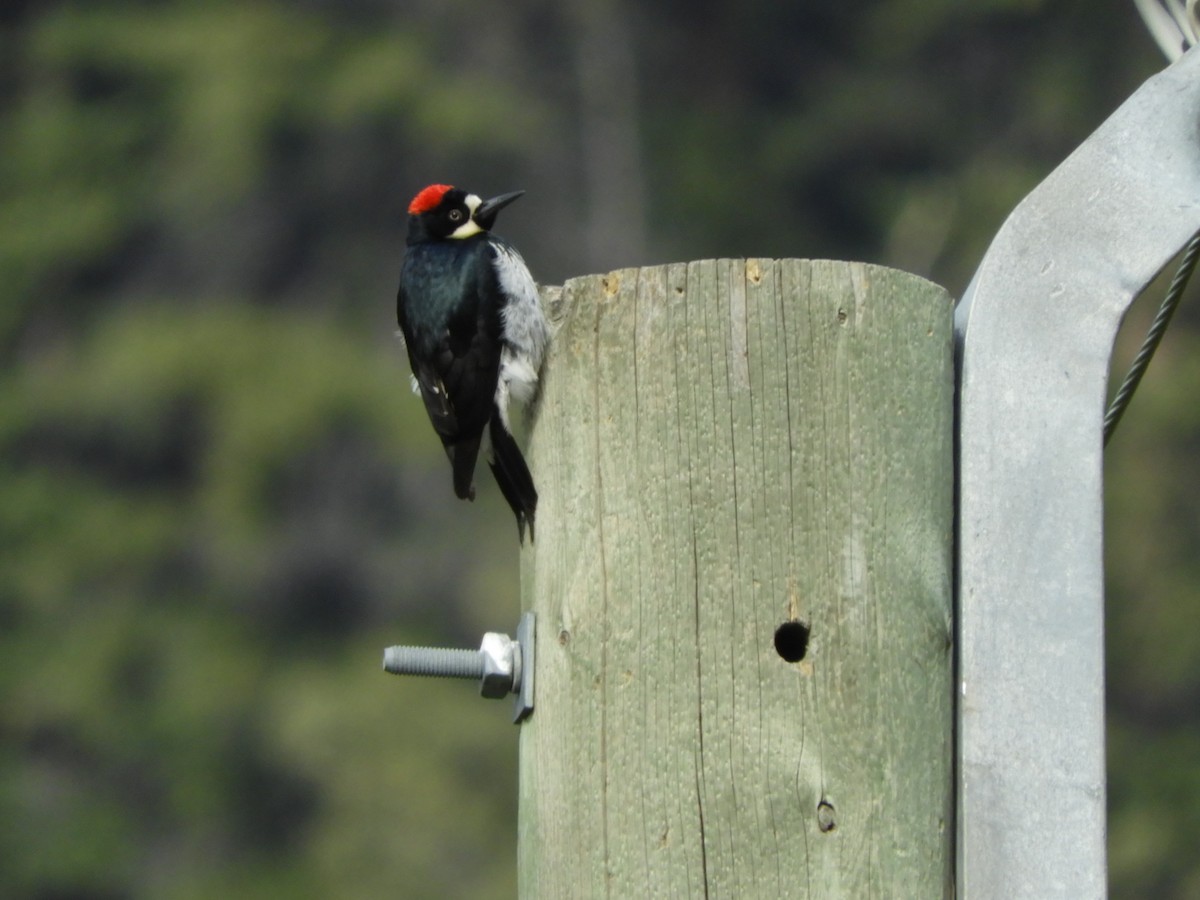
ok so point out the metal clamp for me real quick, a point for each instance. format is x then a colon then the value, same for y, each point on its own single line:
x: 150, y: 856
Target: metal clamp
x: 1036, y: 330
x: 502, y: 665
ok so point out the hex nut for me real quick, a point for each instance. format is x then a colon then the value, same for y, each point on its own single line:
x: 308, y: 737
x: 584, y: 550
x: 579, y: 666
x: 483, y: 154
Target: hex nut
x: 497, y: 652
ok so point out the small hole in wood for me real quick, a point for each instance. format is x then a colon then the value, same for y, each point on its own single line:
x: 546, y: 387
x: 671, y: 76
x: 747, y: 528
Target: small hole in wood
x: 791, y: 640
x: 826, y: 816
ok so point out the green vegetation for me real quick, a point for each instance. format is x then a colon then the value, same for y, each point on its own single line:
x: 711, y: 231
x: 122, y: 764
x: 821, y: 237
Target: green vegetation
x: 219, y: 501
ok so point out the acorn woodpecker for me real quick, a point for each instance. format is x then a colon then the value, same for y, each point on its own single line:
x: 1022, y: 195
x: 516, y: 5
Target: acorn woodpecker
x: 475, y: 333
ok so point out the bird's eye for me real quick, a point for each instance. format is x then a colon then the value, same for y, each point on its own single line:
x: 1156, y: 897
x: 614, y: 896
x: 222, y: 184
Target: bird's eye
x: 455, y: 215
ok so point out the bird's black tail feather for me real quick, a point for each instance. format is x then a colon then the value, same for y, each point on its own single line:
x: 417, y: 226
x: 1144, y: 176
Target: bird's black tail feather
x: 512, y: 474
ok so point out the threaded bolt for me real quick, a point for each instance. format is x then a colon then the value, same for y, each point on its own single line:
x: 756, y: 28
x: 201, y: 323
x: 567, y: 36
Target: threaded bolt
x: 497, y: 663
x: 435, y: 662
x: 501, y: 665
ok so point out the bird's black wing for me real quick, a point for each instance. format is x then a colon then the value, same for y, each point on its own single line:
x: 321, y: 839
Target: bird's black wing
x: 452, y: 334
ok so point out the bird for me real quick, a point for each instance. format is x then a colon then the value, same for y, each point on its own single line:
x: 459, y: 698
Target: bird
x: 476, y: 335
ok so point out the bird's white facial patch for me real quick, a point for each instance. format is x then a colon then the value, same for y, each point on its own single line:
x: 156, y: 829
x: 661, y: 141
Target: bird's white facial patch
x: 469, y: 227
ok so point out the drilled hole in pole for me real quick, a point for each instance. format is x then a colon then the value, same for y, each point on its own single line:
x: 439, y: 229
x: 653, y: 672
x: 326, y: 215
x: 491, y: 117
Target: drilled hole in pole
x: 791, y: 640
x: 826, y: 817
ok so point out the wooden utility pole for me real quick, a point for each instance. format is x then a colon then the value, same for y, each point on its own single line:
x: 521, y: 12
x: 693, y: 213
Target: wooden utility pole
x: 741, y: 461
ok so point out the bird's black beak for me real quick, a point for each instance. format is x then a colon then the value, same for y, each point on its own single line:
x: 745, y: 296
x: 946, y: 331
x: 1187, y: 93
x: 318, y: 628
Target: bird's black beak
x: 485, y: 213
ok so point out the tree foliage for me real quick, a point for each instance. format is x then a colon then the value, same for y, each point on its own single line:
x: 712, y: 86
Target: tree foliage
x: 219, y: 500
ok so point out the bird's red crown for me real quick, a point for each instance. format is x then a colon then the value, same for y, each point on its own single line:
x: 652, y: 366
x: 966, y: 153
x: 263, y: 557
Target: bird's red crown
x: 428, y: 199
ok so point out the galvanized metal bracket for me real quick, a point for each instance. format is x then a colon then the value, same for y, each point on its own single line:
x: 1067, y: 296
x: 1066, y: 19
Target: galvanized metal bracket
x: 1035, y: 332
x: 526, y: 640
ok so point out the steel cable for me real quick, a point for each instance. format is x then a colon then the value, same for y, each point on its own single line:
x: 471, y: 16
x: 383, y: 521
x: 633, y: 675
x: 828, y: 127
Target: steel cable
x: 1158, y: 327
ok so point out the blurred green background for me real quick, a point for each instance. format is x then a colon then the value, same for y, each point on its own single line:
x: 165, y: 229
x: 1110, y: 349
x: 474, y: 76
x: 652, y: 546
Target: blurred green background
x: 219, y: 500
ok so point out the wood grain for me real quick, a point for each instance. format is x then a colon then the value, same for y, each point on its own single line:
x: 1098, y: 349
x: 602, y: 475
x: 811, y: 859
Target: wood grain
x: 722, y: 447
